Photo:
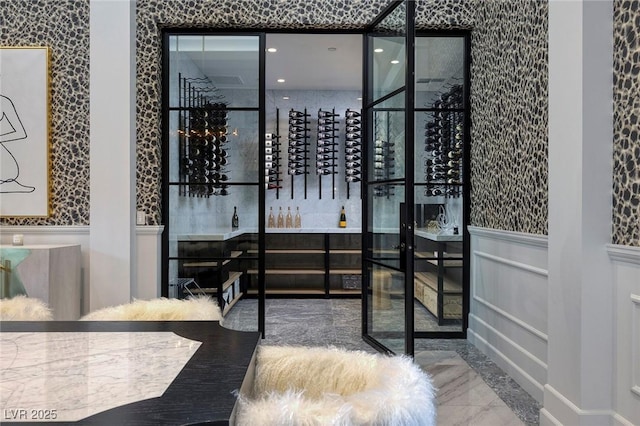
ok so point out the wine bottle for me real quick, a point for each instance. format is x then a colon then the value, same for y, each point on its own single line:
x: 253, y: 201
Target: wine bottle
x: 325, y: 121
x: 351, y: 157
x: 272, y: 179
x: 352, y: 114
x: 352, y: 129
x: 272, y: 186
x: 234, y: 218
x: 325, y: 135
x: 352, y: 144
x: 296, y: 150
x: 296, y: 172
x: 289, y: 219
x: 271, y: 221
x: 297, y: 114
x: 325, y: 172
x: 321, y: 164
x: 321, y: 157
x: 297, y: 121
x: 297, y: 222
x: 352, y: 121
x: 352, y: 164
x: 326, y: 128
x: 352, y: 135
x: 343, y: 218
x: 327, y: 149
x: 352, y: 179
x: 296, y: 136
x: 298, y: 129
x: 297, y: 157
x: 325, y: 114
x: 353, y: 150
x: 280, y: 219
x: 352, y: 172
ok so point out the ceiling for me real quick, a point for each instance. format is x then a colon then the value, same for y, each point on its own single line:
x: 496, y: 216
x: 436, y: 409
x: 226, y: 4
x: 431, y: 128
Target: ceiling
x: 316, y: 61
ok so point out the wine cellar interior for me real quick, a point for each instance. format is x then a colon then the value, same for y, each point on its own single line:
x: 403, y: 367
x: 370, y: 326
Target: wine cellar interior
x: 314, y: 165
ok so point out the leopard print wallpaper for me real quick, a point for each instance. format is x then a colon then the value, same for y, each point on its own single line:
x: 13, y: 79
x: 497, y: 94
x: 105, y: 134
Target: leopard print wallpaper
x: 509, y: 73
x: 63, y: 25
x: 626, y: 123
x: 509, y: 169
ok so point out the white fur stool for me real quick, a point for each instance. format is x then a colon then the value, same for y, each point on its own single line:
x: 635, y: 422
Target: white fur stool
x: 161, y: 309
x: 23, y: 308
x: 330, y: 386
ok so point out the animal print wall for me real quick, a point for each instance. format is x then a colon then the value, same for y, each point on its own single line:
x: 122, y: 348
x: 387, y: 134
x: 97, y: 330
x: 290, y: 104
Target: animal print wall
x: 509, y: 101
x: 63, y: 25
x: 509, y: 95
x: 626, y: 123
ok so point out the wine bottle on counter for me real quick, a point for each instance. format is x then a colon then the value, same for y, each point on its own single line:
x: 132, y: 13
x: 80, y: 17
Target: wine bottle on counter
x: 271, y: 221
x: 343, y: 218
x: 234, y: 218
x: 289, y: 219
x: 298, y: 219
x: 280, y: 219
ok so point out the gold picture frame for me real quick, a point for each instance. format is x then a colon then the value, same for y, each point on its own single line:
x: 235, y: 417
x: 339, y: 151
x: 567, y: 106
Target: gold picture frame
x: 25, y: 132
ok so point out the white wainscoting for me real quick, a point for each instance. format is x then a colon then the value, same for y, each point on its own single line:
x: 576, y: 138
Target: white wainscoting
x: 626, y: 282
x: 148, y: 249
x: 508, y: 307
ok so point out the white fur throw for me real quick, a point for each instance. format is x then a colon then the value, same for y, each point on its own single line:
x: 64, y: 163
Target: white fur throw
x: 23, y: 308
x: 330, y: 386
x: 195, y: 309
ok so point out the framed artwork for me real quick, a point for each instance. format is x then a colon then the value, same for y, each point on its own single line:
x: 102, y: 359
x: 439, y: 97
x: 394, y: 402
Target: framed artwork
x: 24, y: 132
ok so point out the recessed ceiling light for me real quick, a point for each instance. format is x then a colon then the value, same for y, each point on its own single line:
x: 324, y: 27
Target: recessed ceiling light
x: 395, y: 61
x: 281, y: 80
x: 286, y: 98
x: 332, y: 49
x: 378, y: 50
x: 272, y: 50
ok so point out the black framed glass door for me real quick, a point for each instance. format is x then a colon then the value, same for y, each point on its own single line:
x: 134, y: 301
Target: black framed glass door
x: 213, y: 174
x: 387, y: 199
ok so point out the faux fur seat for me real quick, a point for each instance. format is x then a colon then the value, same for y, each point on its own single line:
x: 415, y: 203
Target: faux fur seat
x: 161, y: 309
x: 330, y: 386
x: 23, y: 308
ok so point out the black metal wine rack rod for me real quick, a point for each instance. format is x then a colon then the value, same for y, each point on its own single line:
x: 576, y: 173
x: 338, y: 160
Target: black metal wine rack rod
x: 353, y: 148
x: 443, y: 144
x: 326, y: 150
x: 298, y: 151
x: 272, y: 157
x: 202, y: 137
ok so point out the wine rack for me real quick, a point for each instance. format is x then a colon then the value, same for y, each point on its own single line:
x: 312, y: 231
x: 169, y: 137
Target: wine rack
x: 298, y: 163
x: 202, y: 139
x: 272, y: 152
x: 444, y: 144
x: 383, y: 154
x: 326, y: 150
x: 352, y: 147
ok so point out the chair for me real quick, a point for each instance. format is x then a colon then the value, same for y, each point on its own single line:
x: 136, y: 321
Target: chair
x: 23, y: 308
x: 161, y: 309
x: 319, y: 386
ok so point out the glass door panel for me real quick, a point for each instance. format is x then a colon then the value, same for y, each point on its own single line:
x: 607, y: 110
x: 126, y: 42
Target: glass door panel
x: 386, y: 307
x: 440, y: 185
x: 213, y: 173
x: 387, y: 323
x: 388, y: 58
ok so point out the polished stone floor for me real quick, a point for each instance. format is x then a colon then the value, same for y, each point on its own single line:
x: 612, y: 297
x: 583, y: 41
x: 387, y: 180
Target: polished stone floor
x: 472, y: 390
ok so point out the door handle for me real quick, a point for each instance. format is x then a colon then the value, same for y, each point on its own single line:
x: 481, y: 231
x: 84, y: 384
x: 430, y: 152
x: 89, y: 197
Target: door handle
x: 401, y: 246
